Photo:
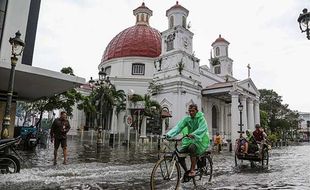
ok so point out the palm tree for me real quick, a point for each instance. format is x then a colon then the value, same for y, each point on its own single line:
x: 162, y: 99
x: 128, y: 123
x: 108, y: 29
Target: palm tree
x: 108, y: 97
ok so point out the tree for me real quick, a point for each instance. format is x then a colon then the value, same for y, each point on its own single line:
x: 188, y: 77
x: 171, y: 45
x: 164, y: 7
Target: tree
x: 67, y: 70
x: 105, y: 98
x: 281, y: 121
x: 65, y: 100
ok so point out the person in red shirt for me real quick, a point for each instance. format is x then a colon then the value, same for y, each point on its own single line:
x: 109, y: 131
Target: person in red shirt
x: 258, y: 133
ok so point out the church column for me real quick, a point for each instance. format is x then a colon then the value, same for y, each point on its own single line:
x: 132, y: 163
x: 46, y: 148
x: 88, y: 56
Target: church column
x: 163, y: 127
x: 256, y: 113
x: 234, y: 117
x: 222, y: 118
x: 244, y: 114
x: 226, y: 123
x: 250, y: 115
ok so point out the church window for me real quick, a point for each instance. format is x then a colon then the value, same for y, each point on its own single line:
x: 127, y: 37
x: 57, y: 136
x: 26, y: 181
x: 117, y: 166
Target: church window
x: 137, y: 18
x: 138, y: 69
x: 147, y: 18
x: 217, y: 51
x: 184, y: 22
x: 169, y: 41
x: 171, y: 22
x: 217, y: 69
x: 226, y: 51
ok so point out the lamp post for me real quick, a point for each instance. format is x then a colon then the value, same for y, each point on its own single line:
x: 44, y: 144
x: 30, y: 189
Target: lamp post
x: 17, y: 49
x: 103, y: 80
x: 92, y: 84
x: 308, y: 127
x: 304, y: 22
x: 240, y: 108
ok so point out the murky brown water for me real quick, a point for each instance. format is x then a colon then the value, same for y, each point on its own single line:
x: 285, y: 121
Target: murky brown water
x: 121, y: 168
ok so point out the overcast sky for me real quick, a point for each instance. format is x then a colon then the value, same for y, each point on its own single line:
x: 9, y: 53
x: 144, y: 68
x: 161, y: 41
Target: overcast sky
x: 262, y: 33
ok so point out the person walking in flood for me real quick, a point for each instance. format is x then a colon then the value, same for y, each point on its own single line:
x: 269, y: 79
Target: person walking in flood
x: 218, y: 142
x: 59, y: 130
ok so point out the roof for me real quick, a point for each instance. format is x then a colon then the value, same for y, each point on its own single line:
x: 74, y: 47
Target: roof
x: 220, y: 39
x: 177, y: 6
x: 32, y: 83
x: 138, y: 40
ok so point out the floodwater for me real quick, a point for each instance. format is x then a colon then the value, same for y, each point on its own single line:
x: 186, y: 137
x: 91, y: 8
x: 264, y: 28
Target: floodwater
x: 119, y: 167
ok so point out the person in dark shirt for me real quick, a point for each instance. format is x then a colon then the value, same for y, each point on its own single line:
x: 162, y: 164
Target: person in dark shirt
x: 59, y: 130
x: 258, y: 134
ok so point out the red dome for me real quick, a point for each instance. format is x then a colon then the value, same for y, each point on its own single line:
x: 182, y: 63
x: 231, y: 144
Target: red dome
x: 220, y: 39
x: 138, y: 40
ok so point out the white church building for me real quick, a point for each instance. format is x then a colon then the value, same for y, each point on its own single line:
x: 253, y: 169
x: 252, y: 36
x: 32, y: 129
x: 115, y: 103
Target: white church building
x: 141, y: 54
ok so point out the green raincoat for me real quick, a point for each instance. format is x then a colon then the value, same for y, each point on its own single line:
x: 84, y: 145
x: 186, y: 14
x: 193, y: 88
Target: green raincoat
x: 196, y: 126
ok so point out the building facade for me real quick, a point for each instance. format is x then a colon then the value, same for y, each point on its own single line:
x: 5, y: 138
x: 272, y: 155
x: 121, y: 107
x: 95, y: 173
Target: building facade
x: 31, y: 83
x: 141, y: 54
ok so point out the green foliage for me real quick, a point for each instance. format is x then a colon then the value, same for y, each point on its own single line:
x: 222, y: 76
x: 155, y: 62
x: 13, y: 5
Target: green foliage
x: 279, y: 119
x: 180, y: 66
x: 67, y: 70
x: 154, y: 88
x: 215, y: 61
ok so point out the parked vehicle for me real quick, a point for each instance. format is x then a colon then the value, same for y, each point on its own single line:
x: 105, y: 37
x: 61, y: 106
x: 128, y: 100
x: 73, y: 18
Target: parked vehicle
x: 9, y: 163
x: 29, y: 137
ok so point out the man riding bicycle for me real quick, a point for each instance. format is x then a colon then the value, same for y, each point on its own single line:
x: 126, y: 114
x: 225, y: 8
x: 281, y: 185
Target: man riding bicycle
x: 196, y: 141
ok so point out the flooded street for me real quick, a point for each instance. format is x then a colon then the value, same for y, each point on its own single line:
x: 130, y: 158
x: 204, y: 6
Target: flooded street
x: 118, y: 167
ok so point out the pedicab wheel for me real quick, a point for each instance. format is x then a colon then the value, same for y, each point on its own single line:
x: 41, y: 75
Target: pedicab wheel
x: 265, y: 157
x: 9, y: 164
x: 166, y: 174
x: 204, y: 174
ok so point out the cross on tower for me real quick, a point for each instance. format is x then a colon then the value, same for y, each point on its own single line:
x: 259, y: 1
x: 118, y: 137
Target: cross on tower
x: 249, y: 70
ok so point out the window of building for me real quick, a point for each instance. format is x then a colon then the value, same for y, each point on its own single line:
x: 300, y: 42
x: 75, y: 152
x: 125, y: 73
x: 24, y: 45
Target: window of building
x: 171, y: 22
x: 217, y: 51
x: 217, y: 69
x: 3, y: 4
x: 138, y: 69
x: 226, y: 51
x: 184, y: 21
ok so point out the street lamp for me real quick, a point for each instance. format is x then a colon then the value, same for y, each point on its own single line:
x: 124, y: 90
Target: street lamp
x: 308, y: 127
x: 92, y: 85
x: 17, y: 49
x: 240, y: 108
x: 304, y: 22
x: 103, y: 80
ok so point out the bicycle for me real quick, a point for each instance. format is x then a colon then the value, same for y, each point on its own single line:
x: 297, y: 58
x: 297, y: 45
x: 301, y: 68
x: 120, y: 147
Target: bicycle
x: 166, y: 173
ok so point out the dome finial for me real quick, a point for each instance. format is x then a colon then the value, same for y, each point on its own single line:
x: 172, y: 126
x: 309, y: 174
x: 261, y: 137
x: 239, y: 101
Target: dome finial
x: 220, y: 36
x: 143, y: 4
x: 177, y: 2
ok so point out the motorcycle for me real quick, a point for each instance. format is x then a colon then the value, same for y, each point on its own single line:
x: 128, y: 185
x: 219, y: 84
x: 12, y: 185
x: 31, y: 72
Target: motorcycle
x: 9, y: 163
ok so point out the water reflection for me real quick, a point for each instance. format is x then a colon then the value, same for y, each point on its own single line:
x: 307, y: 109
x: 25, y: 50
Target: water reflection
x: 120, y: 167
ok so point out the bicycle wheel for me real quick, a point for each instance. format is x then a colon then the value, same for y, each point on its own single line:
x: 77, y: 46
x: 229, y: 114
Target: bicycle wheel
x: 166, y: 174
x: 9, y: 164
x: 204, y: 173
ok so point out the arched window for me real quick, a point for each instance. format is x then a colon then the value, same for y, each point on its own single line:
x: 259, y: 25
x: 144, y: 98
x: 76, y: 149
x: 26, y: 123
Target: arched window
x: 217, y: 51
x: 171, y: 22
x: 226, y: 51
x: 184, y: 21
x: 138, y: 69
x: 217, y: 69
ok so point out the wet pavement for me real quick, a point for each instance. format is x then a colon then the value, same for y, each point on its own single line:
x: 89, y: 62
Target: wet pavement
x: 120, y: 167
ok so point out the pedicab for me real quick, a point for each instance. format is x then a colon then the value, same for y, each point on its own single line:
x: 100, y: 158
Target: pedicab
x: 257, y: 152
